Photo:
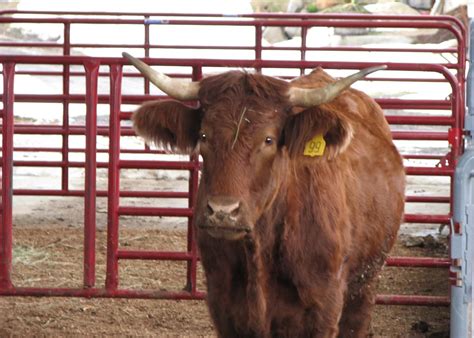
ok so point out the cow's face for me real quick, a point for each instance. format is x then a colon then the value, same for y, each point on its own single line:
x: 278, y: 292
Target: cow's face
x: 241, y: 163
x: 240, y: 141
x: 248, y: 131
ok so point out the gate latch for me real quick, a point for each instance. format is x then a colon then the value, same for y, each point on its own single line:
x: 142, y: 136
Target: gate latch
x: 462, y: 251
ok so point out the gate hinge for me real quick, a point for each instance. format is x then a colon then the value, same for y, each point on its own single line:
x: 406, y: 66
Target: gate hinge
x: 468, y: 254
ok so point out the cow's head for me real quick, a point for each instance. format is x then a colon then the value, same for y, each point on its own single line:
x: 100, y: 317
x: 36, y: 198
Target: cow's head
x: 247, y: 128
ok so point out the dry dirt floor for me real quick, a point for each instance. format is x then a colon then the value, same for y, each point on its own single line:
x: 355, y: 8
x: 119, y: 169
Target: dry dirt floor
x: 48, y: 253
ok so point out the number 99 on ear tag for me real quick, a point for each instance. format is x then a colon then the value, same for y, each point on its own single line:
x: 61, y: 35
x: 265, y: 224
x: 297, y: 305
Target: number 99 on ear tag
x: 315, y: 146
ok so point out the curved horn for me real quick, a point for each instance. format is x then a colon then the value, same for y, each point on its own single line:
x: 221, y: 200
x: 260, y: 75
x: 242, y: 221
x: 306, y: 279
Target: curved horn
x: 312, y: 97
x: 177, y: 88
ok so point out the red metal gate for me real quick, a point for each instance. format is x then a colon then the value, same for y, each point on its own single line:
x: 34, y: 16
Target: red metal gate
x: 285, y: 61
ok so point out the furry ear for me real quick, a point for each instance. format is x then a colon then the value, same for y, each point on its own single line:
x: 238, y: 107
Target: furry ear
x: 301, y: 127
x: 169, y: 124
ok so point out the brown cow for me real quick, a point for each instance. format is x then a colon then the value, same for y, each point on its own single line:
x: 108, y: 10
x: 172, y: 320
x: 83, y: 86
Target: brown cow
x: 292, y: 232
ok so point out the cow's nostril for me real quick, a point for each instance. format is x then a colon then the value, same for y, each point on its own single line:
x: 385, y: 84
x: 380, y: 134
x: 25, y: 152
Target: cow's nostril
x: 210, y: 210
x: 223, y: 206
x: 235, y: 212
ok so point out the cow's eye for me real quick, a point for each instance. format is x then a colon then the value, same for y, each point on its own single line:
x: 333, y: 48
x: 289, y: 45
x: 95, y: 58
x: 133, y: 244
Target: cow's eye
x: 202, y: 137
x: 269, y: 141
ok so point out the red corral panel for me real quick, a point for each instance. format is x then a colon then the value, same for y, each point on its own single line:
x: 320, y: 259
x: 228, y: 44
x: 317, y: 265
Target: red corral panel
x: 438, y: 120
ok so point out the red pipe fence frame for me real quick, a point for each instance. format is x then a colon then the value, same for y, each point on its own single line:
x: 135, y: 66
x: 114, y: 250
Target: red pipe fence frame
x: 61, y: 60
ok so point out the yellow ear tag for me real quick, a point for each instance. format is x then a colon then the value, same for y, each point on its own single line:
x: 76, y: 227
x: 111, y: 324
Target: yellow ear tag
x: 315, y: 146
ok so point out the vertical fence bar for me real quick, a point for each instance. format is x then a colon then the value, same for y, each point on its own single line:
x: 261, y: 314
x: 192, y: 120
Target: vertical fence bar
x: 304, y: 46
x: 193, y: 189
x: 111, y: 281
x: 92, y: 73
x: 258, y: 45
x: 147, y: 51
x: 7, y: 177
x: 146, y: 83
x: 192, y: 245
x: 65, y: 135
x: 462, y: 55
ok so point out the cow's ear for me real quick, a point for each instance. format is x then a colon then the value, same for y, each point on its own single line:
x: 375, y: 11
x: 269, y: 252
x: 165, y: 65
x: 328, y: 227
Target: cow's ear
x: 168, y: 124
x: 305, y: 128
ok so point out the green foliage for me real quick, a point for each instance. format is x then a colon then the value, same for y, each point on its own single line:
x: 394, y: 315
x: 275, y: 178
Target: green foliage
x: 311, y: 8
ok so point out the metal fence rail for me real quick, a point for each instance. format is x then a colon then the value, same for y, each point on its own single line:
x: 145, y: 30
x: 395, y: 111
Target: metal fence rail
x: 94, y: 69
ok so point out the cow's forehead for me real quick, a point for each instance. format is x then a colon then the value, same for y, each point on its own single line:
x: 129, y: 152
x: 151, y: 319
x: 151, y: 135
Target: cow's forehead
x: 236, y: 98
x: 234, y: 89
x: 245, y: 114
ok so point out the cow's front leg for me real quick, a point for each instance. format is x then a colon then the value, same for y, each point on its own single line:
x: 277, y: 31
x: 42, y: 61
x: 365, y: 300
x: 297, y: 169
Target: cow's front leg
x: 323, y: 302
x: 220, y: 314
x: 256, y: 284
x: 236, y: 297
x: 219, y: 267
x: 230, y: 306
x: 356, y: 316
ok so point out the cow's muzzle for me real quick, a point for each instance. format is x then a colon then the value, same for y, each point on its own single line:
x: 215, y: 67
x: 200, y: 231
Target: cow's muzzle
x: 224, y: 218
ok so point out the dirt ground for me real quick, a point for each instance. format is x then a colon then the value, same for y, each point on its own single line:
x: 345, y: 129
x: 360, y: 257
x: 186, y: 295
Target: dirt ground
x: 48, y: 252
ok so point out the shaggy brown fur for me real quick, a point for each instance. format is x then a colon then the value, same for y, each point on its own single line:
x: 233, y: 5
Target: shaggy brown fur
x: 299, y: 255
